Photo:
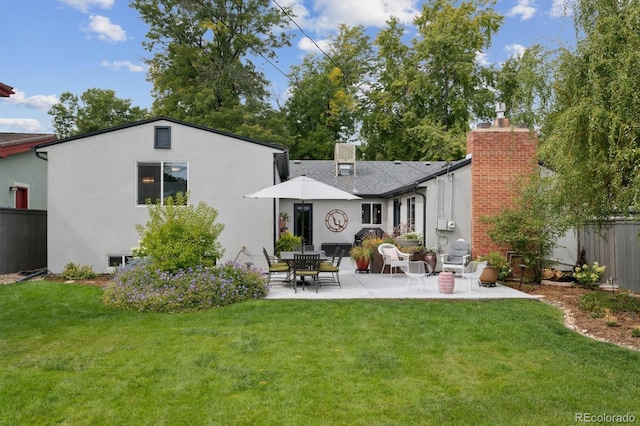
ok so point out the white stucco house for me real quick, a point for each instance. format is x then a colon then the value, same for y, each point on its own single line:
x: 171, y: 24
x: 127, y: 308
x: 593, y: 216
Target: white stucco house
x: 98, y: 183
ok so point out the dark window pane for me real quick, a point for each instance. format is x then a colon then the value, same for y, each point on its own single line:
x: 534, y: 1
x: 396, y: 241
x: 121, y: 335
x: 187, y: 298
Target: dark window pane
x: 175, y: 178
x: 148, y: 182
x: 377, y: 214
x: 366, y: 213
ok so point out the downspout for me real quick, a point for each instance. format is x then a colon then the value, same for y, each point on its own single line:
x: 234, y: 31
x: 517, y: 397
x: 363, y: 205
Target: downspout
x: 424, y: 214
x: 39, y: 155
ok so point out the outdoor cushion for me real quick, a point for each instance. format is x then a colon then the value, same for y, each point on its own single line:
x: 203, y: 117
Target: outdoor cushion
x: 391, y: 253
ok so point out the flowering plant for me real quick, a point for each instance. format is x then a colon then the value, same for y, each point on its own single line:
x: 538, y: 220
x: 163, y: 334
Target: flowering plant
x: 589, y: 276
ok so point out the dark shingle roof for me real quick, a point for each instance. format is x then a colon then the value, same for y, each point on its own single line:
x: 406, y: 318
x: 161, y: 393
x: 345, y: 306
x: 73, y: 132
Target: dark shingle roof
x: 14, y: 143
x: 374, y: 178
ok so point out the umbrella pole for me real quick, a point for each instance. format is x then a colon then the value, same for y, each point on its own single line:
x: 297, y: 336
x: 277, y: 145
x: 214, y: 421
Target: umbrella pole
x: 302, y: 226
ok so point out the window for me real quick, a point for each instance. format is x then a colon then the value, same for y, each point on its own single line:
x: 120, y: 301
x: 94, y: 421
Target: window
x: 372, y: 213
x: 157, y: 181
x: 162, y: 139
x: 119, y: 260
x: 411, y: 214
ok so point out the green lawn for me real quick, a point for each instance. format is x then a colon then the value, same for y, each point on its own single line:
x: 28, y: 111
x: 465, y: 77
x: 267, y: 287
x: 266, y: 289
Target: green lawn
x: 67, y: 359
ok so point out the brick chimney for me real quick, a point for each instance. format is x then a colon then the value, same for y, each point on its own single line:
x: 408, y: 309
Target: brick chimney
x: 499, y: 154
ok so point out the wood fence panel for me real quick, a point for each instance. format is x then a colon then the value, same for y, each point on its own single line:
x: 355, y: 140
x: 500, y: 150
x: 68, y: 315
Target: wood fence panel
x: 616, y: 246
x: 23, y: 240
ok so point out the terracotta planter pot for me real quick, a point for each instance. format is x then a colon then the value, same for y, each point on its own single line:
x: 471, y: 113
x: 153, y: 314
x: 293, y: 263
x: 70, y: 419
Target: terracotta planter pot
x: 489, y: 276
x: 446, y: 282
x: 362, y: 265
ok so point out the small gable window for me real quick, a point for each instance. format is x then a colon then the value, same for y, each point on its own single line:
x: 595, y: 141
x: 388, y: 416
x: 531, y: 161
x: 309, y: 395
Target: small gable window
x: 162, y: 139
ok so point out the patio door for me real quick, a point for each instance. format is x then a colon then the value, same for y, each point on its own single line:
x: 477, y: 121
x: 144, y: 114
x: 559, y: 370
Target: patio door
x: 303, y: 214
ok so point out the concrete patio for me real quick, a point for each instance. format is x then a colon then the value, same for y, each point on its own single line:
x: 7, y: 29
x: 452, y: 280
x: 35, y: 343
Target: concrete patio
x: 357, y: 285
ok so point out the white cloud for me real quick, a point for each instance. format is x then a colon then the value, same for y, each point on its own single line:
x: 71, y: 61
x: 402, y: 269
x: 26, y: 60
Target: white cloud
x: 515, y: 50
x: 105, y: 30
x: 117, y: 65
x: 562, y: 8
x: 85, y: 5
x: 306, y: 45
x: 524, y: 9
x: 327, y: 14
x: 39, y: 102
x: 483, y: 59
x: 20, y: 125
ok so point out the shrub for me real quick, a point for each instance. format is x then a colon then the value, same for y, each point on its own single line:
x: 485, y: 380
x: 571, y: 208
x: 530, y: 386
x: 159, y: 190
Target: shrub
x: 179, y: 235
x: 589, y: 275
x: 635, y: 332
x: 78, y: 272
x: 144, y: 287
x: 601, y: 301
x: 287, y: 242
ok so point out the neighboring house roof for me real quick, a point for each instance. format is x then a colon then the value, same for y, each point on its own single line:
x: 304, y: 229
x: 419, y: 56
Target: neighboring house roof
x: 155, y: 119
x: 381, y: 179
x: 15, y: 143
x: 6, y: 91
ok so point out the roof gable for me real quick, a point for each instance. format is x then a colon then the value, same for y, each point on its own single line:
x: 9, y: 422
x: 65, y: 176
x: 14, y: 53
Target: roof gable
x: 16, y: 143
x: 161, y: 118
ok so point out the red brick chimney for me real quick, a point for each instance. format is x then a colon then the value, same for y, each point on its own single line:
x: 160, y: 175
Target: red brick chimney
x: 499, y: 154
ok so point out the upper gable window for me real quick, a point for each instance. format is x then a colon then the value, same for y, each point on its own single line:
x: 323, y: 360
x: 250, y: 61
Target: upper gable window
x: 162, y: 139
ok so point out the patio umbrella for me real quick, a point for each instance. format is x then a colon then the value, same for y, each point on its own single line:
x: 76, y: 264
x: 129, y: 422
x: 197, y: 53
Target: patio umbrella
x: 303, y: 188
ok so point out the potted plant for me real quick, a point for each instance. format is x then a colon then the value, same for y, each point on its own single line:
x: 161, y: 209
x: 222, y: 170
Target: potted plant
x: 287, y: 242
x: 497, y: 269
x: 372, y: 241
x: 362, y: 256
x: 409, y: 239
x: 431, y: 257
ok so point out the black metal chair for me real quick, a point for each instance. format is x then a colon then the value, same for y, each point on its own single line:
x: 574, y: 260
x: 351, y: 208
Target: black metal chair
x: 331, y: 269
x: 303, y: 266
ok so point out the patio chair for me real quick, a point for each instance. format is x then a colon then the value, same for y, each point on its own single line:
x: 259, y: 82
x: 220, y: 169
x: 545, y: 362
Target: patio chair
x: 303, y: 266
x: 473, y: 272
x: 457, y: 258
x: 393, y: 257
x: 330, y: 271
x: 416, y: 271
x: 276, y: 267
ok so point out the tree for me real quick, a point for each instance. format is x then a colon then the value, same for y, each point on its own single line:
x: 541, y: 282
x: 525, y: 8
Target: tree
x: 201, y: 68
x: 432, y: 92
x: 591, y: 135
x: 532, y: 225
x: 95, y: 109
x: 325, y: 102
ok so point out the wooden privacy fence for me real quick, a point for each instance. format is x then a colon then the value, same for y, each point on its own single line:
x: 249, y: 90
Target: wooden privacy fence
x: 23, y: 240
x: 616, y: 246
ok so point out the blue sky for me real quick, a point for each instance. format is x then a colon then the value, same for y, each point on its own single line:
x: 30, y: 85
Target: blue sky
x: 54, y: 46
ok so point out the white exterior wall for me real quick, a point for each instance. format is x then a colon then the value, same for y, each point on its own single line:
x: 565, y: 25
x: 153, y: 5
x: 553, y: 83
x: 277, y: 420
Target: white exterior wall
x: 455, y: 186
x: 92, y: 210
x: 321, y: 234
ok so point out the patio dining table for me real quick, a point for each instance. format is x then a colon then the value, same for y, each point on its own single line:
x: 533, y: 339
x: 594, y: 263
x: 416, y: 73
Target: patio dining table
x: 289, y: 258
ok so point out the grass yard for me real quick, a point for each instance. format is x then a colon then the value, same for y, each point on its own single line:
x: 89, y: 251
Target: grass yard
x: 67, y: 359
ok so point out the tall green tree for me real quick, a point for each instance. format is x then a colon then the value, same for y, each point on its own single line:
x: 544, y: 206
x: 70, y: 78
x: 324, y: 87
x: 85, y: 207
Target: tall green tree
x: 95, y: 109
x: 591, y: 136
x: 325, y: 102
x: 201, y: 68
x: 442, y: 86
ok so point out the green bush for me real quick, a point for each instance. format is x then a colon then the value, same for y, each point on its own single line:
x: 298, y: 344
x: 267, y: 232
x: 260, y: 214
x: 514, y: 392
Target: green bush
x: 78, y: 272
x: 179, y: 235
x: 600, y: 301
x: 287, y: 242
x: 143, y: 287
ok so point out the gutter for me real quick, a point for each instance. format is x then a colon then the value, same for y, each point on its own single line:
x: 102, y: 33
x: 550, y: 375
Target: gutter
x: 424, y: 214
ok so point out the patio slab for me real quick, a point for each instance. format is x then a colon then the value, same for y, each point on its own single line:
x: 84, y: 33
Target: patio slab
x: 357, y: 285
